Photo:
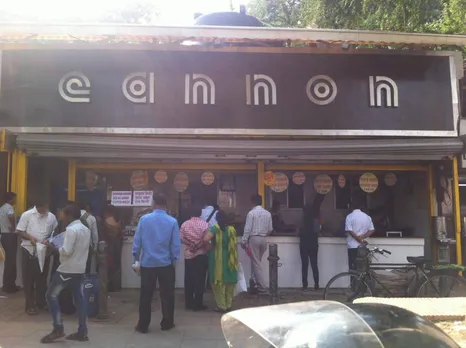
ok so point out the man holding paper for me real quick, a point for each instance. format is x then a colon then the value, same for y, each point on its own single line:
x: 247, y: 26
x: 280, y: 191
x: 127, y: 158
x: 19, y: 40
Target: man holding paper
x: 35, y: 226
x: 70, y: 274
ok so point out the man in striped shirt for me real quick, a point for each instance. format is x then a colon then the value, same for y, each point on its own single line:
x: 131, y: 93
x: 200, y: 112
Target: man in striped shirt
x: 195, y: 259
x: 258, y: 226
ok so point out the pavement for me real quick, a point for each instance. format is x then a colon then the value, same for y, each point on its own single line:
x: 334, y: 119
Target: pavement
x: 193, y: 330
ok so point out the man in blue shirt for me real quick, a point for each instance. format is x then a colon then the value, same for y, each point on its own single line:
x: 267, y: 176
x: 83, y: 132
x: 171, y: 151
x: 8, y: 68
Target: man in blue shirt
x: 158, y: 236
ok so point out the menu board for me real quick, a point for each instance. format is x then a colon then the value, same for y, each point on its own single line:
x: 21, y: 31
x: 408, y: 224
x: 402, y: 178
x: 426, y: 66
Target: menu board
x: 121, y: 198
x: 207, y: 178
x: 281, y: 183
x: 323, y: 184
x: 160, y: 176
x: 142, y: 198
x: 299, y: 178
x: 139, y: 179
x: 269, y: 178
x: 368, y: 182
x: 181, y: 181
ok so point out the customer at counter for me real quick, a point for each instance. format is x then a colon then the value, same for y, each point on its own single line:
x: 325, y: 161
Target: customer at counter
x: 112, y: 232
x: 258, y: 226
x: 309, y: 240
x: 358, y: 227
x: 277, y: 219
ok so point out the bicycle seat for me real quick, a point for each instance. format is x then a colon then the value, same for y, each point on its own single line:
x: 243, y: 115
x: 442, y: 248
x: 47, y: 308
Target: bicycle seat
x: 416, y: 260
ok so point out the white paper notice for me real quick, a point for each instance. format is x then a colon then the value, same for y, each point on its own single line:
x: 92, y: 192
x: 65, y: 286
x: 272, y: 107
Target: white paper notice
x: 121, y: 198
x: 142, y: 198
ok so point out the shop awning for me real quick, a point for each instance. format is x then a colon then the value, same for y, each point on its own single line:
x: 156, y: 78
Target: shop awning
x: 137, y: 148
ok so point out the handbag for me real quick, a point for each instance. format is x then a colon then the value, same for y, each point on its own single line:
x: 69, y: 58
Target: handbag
x: 241, y: 285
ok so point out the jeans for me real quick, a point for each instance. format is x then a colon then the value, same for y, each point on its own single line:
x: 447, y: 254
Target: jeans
x: 309, y: 252
x: 59, y: 282
x: 352, y: 256
x: 10, y: 245
x: 34, y: 281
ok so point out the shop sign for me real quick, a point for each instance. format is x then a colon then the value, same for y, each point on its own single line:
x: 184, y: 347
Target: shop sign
x: 269, y: 178
x: 142, y: 198
x: 121, y: 198
x: 341, y: 181
x: 299, y: 178
x: 181, y: 181
x: 390, y: 179
x: 368, y: 182
x: 121, y: 89
x: 139, y: 179
x: 160, y: 176
x: 323, y: 184
x: 207, y: 178
x: 281, y: 183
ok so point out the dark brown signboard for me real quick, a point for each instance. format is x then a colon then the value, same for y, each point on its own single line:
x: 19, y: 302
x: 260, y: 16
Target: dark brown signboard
x: 229, y: 92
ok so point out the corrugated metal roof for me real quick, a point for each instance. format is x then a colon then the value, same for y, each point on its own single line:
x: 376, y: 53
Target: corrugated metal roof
x: 20, y: 33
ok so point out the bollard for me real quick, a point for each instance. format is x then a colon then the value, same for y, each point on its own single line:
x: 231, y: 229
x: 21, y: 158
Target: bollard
x: 103, y: 280
x: 273, y: 273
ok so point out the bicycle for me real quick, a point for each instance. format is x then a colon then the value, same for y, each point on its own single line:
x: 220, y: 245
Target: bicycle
x: 427, y: 280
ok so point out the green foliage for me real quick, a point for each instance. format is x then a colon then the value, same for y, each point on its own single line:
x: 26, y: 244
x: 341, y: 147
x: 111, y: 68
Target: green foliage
x: 437, y: 16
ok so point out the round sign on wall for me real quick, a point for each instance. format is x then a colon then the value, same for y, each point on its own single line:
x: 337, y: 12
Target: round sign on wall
x: 161, y: 176
x: 368, y: 182
x: 181, y: 181
x: 207, y: 178
x: 390, y: 179
x: 281, y: 183
x: 139, y: 179
x: 341, y: 181
x: 299, y: 178
x: 269, y: 178
x: 323, y: 184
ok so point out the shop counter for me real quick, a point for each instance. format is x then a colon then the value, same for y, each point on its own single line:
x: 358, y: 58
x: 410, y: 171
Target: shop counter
x: 332, y: 259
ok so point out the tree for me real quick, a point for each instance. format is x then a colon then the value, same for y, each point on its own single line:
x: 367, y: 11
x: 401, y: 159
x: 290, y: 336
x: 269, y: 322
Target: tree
x: 278, y: 13
x: 135, y: 13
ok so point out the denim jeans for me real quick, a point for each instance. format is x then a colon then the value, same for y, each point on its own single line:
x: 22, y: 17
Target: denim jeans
x: 59, y: 282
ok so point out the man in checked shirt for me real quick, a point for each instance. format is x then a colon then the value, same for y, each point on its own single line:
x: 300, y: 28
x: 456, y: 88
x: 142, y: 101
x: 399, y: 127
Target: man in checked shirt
x: 258, y: 226
x: 195, y: 259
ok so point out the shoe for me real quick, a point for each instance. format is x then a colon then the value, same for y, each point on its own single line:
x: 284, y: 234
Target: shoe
x: 167, y: 328
x: 141, y: 331
x: 200, y: 309
x: 53, y: 336
x: 304, y: 288
x: 32, y: 311
x: 316, y: 287
x: 252, y: 283
x: 79, y: 337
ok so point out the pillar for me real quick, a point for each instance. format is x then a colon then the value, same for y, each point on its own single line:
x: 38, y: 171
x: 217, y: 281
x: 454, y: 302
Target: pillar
x: 260, y: 181
x: 457, y: 211
x: 19, y: 179
x: 71, y: 180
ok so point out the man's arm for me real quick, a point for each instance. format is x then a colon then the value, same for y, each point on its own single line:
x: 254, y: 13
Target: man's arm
x: 94, y: 234
x: 176, y: 242
x: 68, y: 243
x: 247, y: 228
x: 22, y: 228
x: 270, y: 224
x: 371, y: 230
x: 11, y: 219
x: 137, y: 241
x: 349, y: 230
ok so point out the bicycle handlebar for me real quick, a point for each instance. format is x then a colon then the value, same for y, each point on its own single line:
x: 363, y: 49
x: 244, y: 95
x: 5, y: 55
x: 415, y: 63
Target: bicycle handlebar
x: 380, y: 251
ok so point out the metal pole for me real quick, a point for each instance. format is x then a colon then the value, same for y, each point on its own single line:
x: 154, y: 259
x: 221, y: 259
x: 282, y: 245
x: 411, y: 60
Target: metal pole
x: 273, y: 273
x: 103, y: 280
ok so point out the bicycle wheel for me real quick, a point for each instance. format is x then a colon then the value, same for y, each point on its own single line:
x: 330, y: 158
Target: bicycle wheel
x: 346, y: 287
x: 442, y: 285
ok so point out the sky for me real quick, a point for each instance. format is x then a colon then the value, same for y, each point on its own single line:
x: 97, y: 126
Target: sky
x: 173, y: 12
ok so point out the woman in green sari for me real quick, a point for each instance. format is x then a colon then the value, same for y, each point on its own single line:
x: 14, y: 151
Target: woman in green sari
x: 223, y: 261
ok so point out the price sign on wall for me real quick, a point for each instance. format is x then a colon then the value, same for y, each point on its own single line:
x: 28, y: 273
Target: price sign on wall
x: 207, y: 178
x: 281, y: 183
x: 368, y: 182
x: 181, y: 181
x: 299, y: 178
x: 142, y: 198
x: 121, y: 198
x: 269, y: 178
x: 160, y: 176
x: 139, y: 179
x: 323, y: 184
x: 390, y: 179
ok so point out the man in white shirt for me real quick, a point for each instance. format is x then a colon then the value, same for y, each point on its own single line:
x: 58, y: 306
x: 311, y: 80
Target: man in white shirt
x: 35, y: 226
x: 70, y: 273
x: 358, y: 227
x: 9, y: 241
x: 91, y: 221
x: 258, y: 226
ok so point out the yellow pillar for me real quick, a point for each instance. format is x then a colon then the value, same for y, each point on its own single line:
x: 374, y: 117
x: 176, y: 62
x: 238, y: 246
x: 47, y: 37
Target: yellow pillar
x: 8, y: 171
x: 432, y: 212
x: 456, y: 188
x: 19, y: 179
x: 71, y: 180
x: 260, y: 180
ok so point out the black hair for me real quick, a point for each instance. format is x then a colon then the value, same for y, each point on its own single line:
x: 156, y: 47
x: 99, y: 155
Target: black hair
x: 9, y: 196
x: 84, y: 205
x: 160, y: 199
x: 195, y: 210
x: 41, y: 202
x: 222, y: 219
x: 256, y: 199
x: 73, y: 211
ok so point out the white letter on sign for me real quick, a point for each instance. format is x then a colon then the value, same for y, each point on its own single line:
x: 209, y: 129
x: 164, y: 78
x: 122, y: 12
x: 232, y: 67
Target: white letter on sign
x: 75, y: 87
x: 383, y: 83
x: 135, y: 87
x: 202, y: 82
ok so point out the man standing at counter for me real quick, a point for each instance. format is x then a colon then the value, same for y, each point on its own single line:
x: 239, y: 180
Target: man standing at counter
x: 358, y: 227
x: 158, y: 236
x: 258, y: 226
